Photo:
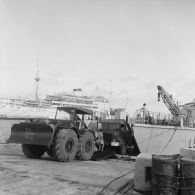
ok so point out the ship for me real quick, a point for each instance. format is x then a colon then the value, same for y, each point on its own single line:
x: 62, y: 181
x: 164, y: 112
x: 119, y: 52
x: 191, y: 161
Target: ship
x: 160, y: 133
x: 17, y: 108
x: 46, y: 108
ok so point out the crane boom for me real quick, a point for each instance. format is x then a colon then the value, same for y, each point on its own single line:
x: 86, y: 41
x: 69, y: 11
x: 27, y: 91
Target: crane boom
x: 168, y: 101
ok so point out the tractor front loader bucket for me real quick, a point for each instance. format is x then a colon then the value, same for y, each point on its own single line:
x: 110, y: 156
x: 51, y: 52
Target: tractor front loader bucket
x: 31, y: 133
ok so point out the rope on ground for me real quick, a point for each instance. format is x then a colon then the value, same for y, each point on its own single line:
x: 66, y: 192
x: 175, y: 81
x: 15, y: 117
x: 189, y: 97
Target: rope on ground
x: 122, y: 188
x: 125, y: 189
x: 131, y: 188
x: 100, y: 193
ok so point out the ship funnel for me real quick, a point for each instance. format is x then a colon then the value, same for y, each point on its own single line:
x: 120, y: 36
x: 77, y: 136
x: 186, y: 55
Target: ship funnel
x: 77, y: 91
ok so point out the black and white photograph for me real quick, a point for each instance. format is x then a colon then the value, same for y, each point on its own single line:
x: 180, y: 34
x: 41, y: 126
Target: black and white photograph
x: 97, y: 97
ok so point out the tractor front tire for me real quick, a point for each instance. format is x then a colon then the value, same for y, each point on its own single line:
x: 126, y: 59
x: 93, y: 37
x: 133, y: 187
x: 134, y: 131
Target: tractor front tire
x: 86, y: 146
x: 65, y: 145
x: 33, y: 151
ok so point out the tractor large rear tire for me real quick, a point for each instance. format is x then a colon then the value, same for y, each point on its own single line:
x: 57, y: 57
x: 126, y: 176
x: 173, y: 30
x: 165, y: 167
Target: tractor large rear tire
x: 65, y: 145
x: 33, y: 151
x: 86, y: 146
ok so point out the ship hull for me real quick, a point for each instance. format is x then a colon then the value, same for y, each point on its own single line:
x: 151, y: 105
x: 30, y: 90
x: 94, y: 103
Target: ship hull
x: 157, y: 139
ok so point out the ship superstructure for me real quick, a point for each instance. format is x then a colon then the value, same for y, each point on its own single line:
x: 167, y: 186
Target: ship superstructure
x: 99, y: 104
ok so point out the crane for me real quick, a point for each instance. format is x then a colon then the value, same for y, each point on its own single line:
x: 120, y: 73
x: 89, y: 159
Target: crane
x: 169, y: 102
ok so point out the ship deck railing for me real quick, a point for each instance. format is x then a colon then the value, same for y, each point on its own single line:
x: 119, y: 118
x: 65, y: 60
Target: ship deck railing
x: 154, y: 118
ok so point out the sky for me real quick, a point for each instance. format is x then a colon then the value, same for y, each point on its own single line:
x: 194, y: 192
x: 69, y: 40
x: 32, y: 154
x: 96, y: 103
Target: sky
x: 127, y: 47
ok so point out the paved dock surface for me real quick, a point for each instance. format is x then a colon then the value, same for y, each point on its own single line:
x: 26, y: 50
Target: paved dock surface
x: 20, y: 175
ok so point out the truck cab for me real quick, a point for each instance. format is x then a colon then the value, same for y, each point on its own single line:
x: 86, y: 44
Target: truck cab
x: 116, y: 133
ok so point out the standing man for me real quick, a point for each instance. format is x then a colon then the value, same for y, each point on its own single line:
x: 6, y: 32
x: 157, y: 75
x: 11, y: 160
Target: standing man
x: 99, y: 140
x: 145, y: 111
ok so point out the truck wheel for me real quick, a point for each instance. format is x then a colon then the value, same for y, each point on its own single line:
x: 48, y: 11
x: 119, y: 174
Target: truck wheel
x: 33, y: 151
x: 65, y: 145
x: 86, y: 146
x: 50, y: 152
x: 120, y: 149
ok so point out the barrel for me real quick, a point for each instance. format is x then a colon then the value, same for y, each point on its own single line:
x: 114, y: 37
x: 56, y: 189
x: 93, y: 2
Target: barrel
x: 187, y: 178
x: 164, y: 174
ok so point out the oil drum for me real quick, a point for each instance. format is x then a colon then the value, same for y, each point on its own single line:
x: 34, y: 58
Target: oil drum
x: 164, y: 174
x: 187, y: 178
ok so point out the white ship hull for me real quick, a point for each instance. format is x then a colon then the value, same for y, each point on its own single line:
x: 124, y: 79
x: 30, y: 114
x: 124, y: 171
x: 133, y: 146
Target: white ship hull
x: 12, y: 111
x: 158, y: 139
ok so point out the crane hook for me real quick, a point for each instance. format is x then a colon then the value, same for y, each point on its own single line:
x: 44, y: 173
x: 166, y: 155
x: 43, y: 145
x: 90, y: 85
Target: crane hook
x: 158, y: 96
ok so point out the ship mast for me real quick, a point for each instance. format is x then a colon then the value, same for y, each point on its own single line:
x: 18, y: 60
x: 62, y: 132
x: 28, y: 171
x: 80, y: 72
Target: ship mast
x: 37, y: 79
x: 110, y: 93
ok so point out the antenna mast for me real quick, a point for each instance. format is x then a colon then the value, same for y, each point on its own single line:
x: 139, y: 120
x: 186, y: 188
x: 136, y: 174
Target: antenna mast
x: 110, y: 94
x: 37, y: 79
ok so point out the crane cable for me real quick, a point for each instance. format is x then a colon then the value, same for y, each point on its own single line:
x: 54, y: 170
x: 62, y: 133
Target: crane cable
x: 149, y: 140
x: 170, y: 139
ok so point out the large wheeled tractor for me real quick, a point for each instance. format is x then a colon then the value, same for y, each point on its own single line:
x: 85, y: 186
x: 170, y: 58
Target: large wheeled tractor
x: 63, y: 140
